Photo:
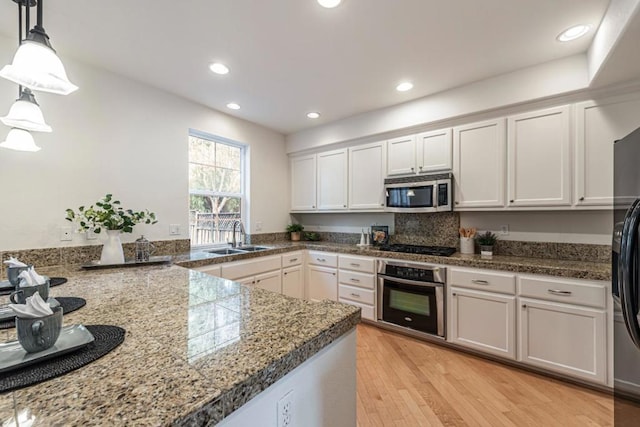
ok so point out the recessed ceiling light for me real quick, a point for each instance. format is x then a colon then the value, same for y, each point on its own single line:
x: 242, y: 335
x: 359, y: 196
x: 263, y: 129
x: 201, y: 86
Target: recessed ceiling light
x: 329, y: 3
x: 219, y: 68
x: 313, y: 115
x: 233, y: 106
x: 573, y: 33
x: 404, y: 86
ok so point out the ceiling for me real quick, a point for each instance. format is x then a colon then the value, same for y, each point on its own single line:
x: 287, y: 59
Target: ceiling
x: 289, y: 57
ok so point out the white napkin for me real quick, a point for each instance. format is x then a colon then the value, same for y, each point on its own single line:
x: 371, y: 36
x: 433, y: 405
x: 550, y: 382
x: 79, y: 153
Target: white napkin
x: 31, y: 278
x: 13, y: 262
x: 34, y: 307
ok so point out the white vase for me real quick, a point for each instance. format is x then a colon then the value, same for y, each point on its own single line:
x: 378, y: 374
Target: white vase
x: 112, y: 252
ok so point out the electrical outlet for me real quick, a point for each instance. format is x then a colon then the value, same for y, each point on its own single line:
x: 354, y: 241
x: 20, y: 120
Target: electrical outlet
x: 258, y: 225
x: 285, y: 414
x: 504, y: 229
x: 174, y: 229
x: 65, y: 234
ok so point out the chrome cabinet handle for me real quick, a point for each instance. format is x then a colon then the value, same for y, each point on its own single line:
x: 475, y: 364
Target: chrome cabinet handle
x: 559, y: 292
x: 480, y: 282
x: 420, y: 167
x: 321, y: 260
x: 313, y: 206
x: 582, y: 198
x: 293, y: 259
x: 412, y: 169
x: 355, y: 280
x: 355, y: 295
x: 354, y: 264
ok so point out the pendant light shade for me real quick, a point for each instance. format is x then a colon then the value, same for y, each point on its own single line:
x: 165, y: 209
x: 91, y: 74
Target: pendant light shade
x: 36, y: 66
x: 25, y: 114
x: 19, y: 140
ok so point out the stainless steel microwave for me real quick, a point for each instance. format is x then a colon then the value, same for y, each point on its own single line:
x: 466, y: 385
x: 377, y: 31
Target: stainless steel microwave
x: 424, y: 193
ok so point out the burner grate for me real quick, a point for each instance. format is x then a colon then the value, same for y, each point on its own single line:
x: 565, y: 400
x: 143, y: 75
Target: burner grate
x: 421, y: 250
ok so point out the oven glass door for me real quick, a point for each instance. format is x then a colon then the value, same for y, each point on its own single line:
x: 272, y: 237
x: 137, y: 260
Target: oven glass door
x: 410, y: 197
x: 412, y: 306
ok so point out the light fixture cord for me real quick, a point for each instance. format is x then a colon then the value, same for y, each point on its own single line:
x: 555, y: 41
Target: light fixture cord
x: 39, y: 10
x: 20, y: 37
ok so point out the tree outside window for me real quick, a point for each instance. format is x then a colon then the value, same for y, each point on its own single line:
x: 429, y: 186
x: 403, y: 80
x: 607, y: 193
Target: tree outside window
x: 215, y: 189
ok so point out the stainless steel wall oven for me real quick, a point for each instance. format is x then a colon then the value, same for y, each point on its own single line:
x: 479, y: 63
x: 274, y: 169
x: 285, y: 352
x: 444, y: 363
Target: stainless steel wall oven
x: 411, y: 295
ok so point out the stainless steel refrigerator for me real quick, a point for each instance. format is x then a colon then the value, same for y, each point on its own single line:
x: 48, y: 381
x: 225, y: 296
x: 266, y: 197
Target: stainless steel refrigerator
x: 626, y: 279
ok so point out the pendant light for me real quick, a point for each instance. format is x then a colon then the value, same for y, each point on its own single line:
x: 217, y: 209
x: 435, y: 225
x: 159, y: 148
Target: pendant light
x: 25, y: 114
x: 19, y: 140
x: 35, y: 64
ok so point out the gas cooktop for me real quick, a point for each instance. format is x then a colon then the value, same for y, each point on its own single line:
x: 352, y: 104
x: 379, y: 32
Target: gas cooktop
x: 422, y: 250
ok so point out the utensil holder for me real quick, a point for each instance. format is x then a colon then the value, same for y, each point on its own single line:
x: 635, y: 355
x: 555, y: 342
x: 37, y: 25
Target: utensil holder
x: 467, y: 245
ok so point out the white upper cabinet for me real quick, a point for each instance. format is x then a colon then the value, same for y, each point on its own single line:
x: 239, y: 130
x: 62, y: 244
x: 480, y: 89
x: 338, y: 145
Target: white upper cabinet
x: 479, y: 164
x: 598, y: 125
x: 539, y: 158
x: 332, y: 180
x: 303, y: 183
x: 366, y: 176
x: 401, y: 155
x: 434, y: 151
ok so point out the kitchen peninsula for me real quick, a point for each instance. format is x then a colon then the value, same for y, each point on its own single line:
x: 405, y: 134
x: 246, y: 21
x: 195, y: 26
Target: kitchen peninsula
x: 198, y: 349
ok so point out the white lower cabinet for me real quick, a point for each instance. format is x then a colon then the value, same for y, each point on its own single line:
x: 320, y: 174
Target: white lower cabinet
x: 483, y: 321
x: 212, y: 270
x: 563, y: 338
x: 271, y: 281
x: 293, y: 282
x: 322, y: 283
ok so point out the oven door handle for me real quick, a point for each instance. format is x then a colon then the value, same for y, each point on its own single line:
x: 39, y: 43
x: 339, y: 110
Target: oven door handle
x: 411, y: 282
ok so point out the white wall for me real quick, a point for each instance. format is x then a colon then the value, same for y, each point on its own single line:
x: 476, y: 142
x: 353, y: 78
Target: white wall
x: 559, y: 226
x: 115, y: 135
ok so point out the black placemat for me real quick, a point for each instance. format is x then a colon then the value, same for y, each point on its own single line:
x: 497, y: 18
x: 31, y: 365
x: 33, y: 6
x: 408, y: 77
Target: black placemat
x: 69, y: 304
x: 53, y: 281
x: 106, y: 339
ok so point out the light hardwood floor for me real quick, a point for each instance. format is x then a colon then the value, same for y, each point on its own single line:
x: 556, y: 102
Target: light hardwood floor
x: 407, y: 382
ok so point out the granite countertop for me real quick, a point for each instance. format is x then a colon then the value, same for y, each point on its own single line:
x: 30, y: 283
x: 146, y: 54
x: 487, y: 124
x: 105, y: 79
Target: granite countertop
x: 197, y: 348
x: 552, y: 267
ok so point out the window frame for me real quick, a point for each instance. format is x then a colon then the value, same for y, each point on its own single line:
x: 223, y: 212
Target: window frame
x: 243, y: 171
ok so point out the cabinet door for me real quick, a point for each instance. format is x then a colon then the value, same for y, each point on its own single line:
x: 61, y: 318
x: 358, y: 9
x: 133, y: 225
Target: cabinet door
x: 271, y: 281
x: 434, y: 151
x: 322, y: 283
x: 401, y: 155
x: 479, y: 164
x: 332, y: 180
x: 292, y: 282
x: 303, y: 183
x: 563, y: 338
x: 495, y: 333
x: 598, y: 125
x: 366, y: 176
x: 539, y: 158
x: 249, y: 281
x: 212, y: 270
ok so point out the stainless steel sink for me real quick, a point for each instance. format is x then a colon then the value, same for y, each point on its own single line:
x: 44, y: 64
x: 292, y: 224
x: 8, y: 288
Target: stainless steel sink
x: 253, y: 248
x: 226, y: 251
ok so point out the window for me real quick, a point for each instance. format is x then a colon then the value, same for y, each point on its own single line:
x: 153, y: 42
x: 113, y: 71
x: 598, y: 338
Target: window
x: 216, y: 188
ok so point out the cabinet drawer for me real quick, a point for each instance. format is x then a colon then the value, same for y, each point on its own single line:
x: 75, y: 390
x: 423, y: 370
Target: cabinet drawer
x: 365, y: 265
x: 239, y: 269
x: 367, y: 312
x: 357, y: 279
x: 294, y: 258
x: 483, y: 280
x: 356, y: 294
x: 592, y: 294
x: 323, y: 258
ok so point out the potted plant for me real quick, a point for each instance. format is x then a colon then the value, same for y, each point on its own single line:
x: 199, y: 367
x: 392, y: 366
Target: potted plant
x: 295, y: 230
x: 486, y: 241
x: 109, y: 215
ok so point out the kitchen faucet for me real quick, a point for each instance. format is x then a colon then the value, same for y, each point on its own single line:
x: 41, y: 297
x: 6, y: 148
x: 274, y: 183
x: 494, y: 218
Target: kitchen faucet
x: 234, y: 243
